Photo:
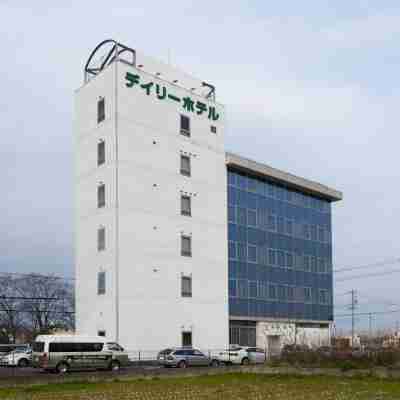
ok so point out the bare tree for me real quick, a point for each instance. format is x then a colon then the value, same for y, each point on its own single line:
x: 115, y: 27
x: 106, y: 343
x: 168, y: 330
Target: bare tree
x: 48, y: 300
x: 11, y: 319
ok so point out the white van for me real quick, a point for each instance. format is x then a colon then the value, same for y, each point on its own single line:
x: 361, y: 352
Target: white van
x: 63, y: 353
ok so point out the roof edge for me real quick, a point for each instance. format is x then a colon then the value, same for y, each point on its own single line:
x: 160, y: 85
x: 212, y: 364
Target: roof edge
x: 279, y: 176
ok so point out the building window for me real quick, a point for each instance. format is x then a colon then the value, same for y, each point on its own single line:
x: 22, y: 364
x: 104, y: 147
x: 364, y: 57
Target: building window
x: 252, y: 253
x: 242, y: 251
x: 306, y: 263
x: 281, y: 258
x: 272, y: 292
x: 231, y: 214
x: 271, y: 222
x: 307, y: 295
x: 101, y: 110
x: 232, y: 288
x: 280, y: 224
x: 243, y: 288
x: 185, y: 165
x: 101, y: 239
x: 101, y: 195
x: 252, y: 217
x: 186, y: 206
x: 186, y: 286
x: 232, y: 250
x: 101, y: 283
x: 271, y: 257
x: 186, y: 339
x: 101, y: 333
x: 101, y: 152
x: 289, y: 260
x: 213, y: 129
x: 323, y: 296
x: 185, y: 125
x: 186, y: 246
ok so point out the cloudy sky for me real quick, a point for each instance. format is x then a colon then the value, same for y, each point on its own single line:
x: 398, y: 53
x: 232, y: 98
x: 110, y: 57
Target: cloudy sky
x: 310, y: 87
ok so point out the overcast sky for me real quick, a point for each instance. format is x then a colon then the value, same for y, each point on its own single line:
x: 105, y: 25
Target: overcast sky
x: 311, y: 87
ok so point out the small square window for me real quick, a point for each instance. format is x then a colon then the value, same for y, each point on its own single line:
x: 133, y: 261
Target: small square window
x: 101, y: 153
x: 101, y: 283
x: 101, y: 333
x: 185, y: 165
x: 186, y: 208
x: 101, y: 239
x: 101, y: 196
x: 101, y: 110
x: 186, y: 286
x: 213, y: 129
x: 186, y: 246
x: 186, y: 339
x: 185, y: 125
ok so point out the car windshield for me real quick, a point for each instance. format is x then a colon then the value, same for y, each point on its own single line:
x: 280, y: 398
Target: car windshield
x: 21, y: 350
x: 114, y: 347
x: 165, y: 352
x: 38, y: 347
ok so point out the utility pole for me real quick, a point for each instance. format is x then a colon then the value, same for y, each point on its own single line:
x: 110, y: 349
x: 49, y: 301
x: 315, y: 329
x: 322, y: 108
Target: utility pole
x: 370, y: 328
x: 353, y: 308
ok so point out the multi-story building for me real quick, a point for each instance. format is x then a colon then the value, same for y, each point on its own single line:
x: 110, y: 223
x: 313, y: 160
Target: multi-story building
x: 280, y: 256
x: 152, y: 210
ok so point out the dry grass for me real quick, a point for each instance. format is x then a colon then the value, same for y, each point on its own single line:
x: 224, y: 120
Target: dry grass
x: 227, y: 387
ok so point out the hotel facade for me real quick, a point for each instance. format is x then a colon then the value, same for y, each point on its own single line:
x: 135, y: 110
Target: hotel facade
x: 177, y: 241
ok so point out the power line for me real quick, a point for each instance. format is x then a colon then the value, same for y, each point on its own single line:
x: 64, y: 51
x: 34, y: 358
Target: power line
x: 36, y: 311
x: 34, y: 275
x: 390, y: 261
x: 32, y: 298
x: 377, y: 274
x: 368, y: 313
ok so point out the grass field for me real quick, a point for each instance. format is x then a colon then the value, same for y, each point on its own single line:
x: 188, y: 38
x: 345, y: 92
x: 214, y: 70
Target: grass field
x: 229, y: 386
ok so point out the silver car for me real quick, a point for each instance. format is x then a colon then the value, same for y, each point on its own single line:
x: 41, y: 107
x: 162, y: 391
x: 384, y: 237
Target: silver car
x: 19, y: 357
x: 185, y: 357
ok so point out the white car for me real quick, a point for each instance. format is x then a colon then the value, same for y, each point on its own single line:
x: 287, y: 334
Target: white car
x: 242, y: 355
x: 20, y: 357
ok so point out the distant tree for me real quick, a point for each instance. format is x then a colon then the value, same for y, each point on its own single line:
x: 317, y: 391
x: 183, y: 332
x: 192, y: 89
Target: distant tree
x: 11, y: 319
x: 48, y: 301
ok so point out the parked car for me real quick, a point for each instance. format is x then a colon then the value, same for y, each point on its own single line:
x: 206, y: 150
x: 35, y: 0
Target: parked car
x: 242, y: 355
x: 62, y: 353
x: 19, y: 357
x: 7, y: 348
x: 185, y: 357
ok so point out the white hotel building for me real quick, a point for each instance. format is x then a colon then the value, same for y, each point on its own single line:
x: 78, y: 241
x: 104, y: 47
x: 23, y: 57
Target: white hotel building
x: 157, y: 261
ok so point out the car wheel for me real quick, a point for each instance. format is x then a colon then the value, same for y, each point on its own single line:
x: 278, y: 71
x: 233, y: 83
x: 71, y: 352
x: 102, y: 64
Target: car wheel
x: 23, y: 363
x: 182, y: 364
x: 245, y: 361
x: 215, y: 363
x: 62, y: 368
x: 115, y: 366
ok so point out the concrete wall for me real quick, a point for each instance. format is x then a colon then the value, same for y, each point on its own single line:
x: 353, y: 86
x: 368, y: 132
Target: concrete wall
x: 273, y: 336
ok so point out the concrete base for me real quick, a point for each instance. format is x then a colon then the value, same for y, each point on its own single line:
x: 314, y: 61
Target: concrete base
x: 273, y: 336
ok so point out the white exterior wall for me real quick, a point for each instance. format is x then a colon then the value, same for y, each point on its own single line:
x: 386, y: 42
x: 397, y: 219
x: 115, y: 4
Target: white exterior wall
x: 286, y: 333
x: 142, y: 215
